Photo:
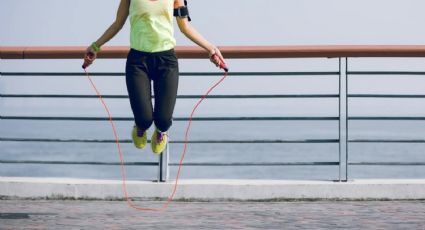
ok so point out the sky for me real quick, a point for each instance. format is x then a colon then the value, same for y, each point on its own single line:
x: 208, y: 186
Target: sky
x: 230, y: 22
x: 225, y: 22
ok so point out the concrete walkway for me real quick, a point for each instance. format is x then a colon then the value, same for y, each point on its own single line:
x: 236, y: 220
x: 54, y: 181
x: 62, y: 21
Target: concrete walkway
x: 57, y: 214
x: 212, y: 190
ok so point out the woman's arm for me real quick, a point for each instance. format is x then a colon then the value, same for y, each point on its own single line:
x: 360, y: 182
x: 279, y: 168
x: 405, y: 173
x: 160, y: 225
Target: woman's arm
x: 187, y: 29
x: 122, y: 14
x: 117, y: 25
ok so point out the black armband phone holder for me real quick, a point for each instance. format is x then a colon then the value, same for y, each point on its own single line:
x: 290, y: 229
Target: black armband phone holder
x: 182, y: 11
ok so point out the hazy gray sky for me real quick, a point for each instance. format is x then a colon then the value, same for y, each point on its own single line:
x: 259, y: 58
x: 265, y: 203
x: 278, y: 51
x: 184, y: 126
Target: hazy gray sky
x: 225, y: 22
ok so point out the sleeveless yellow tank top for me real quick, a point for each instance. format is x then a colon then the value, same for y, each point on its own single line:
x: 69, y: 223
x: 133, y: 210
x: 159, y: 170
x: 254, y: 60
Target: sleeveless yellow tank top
x: 152, y: 28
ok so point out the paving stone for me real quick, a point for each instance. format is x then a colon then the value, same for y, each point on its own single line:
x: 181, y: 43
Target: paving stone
x: 59, y: 214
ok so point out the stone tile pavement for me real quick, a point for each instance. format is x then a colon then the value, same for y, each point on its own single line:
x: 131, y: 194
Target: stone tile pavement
x: 62, y: 214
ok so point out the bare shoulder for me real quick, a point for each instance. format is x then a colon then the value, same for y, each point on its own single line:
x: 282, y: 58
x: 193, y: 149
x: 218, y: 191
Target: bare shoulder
x: 178, y: 3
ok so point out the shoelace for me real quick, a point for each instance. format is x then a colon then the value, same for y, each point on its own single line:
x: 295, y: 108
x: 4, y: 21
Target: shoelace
x: 140, y: 132
x: 160, y: 136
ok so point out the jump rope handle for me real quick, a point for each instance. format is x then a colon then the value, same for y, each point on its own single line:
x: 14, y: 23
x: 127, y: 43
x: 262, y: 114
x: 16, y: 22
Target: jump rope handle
x: 87, y: 59
x: 222, y: 65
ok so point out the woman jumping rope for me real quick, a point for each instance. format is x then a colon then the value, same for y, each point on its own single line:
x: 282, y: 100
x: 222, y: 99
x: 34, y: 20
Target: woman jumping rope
x: 152, y: 58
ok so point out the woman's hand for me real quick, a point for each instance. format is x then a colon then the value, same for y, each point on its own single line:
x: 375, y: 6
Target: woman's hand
x: 216, y: 57
x: 89, y: 57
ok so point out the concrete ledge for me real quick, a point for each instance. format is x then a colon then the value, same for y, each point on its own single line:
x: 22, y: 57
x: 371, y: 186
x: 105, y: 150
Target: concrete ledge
x: 211, y: 190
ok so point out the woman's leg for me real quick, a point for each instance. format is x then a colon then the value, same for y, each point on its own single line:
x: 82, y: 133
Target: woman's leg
x: 166, y: 82
x: 139, y: 89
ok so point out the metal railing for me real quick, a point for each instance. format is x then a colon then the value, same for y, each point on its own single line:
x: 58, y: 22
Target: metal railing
x: 343, y: 53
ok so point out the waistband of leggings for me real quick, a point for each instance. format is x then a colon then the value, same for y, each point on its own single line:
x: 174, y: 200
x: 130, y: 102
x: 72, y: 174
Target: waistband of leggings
x: 152, y: 53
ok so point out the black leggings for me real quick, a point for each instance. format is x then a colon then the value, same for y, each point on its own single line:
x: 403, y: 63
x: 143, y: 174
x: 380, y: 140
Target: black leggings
x: 162, y: 68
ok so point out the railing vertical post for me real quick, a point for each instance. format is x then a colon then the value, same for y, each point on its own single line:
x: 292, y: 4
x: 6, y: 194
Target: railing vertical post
x: 164, y: 158
x: 1, y: 93
x: 346, y: 121
x: 343, y: 120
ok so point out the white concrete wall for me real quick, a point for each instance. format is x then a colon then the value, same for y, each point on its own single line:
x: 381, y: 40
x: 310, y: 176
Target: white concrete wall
x: 61, y: 188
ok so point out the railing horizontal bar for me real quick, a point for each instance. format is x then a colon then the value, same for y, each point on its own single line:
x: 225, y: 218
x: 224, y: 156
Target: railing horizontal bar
x: 386, y: 118
x: 63, y: 74
x: 216, y: 141
x: 386, y: 141
x: 173, y: 142
x: 171, y: 164
x: 76, y: 162
x: 208, y: 163
x: 219, y: 96
x: 258, y: 164
x: 179, y: 96
x: 241, y: 52
x: 387, y: 95
x: 60, y: 96
x: 388, y: 163
x: 207, y: 118
x: 386, y: 73
x: 188, y: 74
x: 175, y: 119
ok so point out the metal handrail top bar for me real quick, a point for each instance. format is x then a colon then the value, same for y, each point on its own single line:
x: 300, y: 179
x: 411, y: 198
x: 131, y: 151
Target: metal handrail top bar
x: 192, y: 52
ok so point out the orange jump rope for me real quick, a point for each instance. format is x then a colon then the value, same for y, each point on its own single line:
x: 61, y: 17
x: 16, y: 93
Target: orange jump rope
x: 130, y: 203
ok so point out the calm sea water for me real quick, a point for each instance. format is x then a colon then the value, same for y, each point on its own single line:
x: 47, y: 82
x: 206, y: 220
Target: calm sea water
x: 218, y: 153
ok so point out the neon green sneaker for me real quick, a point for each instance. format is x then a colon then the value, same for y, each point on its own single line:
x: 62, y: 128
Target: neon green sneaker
x: 159, y: 141
x: 139, y: 137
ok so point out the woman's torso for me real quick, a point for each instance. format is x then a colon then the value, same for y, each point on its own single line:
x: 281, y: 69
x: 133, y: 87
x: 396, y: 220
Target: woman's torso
x: 152, y: 25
